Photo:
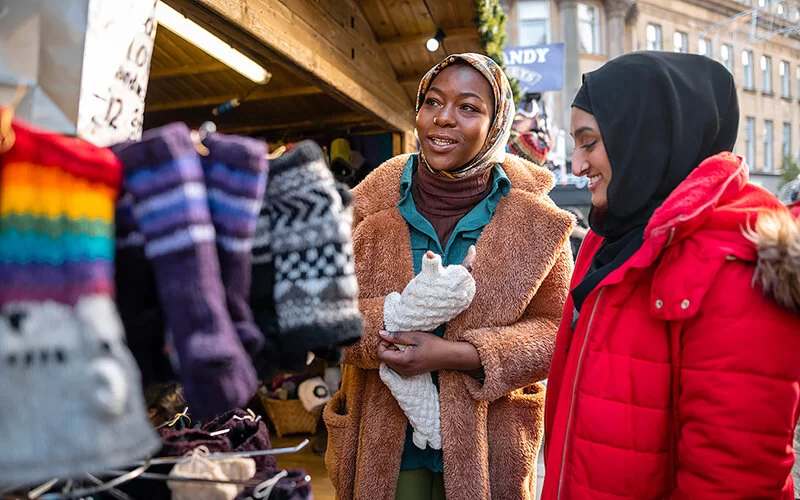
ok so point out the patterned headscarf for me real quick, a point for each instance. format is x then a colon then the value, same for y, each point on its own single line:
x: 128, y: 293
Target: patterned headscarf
x: 494, y: 149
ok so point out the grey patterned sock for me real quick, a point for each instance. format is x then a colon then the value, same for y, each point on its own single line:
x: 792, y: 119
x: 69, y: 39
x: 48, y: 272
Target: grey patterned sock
x: 315, y: 289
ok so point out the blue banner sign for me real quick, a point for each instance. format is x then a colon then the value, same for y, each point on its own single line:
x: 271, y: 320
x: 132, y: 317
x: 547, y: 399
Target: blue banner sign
x: 537, y: 68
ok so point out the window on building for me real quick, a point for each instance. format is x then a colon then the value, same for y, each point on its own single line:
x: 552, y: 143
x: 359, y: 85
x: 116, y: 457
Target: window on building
x: 786, y: 84
x: 680, y: 42
x: 767, y: 133
x: 726, y: 53
x: 766, y: 74
x: 534, y: 22
x: 747, y: 62
x: 653, y: 37
x: 762, y: 3
x: 786, y: 144
x: 750, y: 140
x: 589, y: 28
x: 797, y: 75
x: 705, y: 48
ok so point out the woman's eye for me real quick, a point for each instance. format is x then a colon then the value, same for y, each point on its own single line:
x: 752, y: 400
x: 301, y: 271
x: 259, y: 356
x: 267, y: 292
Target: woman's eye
x: 431, y: 102
x: 467, y: 107
x: 589, y: 146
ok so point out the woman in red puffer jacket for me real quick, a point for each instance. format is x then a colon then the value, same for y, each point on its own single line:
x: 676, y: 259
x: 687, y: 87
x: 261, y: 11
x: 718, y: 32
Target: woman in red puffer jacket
x: 675, y: 372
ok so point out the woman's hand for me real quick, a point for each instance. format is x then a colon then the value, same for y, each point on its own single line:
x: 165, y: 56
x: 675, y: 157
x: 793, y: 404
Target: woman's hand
x: 468, y: 261
x: 425, y: 352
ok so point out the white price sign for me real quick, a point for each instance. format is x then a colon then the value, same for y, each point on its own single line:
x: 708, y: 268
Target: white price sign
x: 116, y: 69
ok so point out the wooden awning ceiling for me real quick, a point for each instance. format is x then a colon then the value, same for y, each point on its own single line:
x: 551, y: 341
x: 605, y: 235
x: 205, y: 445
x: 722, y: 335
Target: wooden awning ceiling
x: 335, y: 64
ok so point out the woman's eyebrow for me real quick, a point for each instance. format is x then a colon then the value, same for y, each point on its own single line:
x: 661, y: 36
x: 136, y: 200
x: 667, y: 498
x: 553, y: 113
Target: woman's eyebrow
x: 462, y: 94
x: 582, y: 130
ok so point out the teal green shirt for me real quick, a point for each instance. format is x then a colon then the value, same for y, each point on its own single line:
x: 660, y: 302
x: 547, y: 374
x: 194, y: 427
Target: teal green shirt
x: 424, y: 238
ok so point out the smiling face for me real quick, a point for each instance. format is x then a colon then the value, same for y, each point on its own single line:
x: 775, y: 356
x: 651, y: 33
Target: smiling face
x: 590, y: 158
x: 455, y: 117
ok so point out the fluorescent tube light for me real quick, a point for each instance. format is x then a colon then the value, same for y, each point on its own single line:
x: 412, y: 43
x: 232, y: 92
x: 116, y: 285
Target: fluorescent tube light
x: 209, y: 43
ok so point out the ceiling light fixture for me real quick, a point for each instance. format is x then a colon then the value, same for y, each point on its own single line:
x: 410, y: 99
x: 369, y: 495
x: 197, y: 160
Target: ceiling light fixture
x: 433, y: 43
x: 210, y: 43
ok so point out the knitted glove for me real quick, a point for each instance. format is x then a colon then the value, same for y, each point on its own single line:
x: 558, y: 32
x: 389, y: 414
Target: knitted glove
x: 432, y: 298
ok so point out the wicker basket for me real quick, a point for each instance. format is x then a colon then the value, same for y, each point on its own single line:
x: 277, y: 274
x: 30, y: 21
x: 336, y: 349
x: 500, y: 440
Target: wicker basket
x: 290, y: 417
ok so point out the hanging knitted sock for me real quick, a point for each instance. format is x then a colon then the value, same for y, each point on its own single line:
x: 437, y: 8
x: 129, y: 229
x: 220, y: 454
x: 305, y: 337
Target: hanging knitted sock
x: 236, y: 177
x: 137, y: 297
x: 275, y: 356
x: 310, y: 241
x: 164, y: 175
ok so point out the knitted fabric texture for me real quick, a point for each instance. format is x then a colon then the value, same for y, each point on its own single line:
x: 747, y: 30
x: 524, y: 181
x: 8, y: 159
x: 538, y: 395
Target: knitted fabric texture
x: 72, y: 402
x: 533, y: 146
x: 244, y: 434
x: 137, y: 297
x: 236, y: 177
x: 288, y: 484
x: 197, y: 466
x: 164, y: 175
x: 434, y: 297
x: 303, y: 237
x: 176, y: 443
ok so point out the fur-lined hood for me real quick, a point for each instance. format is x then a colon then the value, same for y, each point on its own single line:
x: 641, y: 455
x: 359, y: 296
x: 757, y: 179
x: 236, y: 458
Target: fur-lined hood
x: 777, y: 239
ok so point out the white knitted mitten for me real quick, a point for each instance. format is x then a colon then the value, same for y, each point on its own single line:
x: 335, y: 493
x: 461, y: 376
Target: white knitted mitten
x: 435, y: 296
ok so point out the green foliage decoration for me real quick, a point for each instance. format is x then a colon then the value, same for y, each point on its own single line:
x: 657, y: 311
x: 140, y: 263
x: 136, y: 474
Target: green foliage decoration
x: 491, y: 23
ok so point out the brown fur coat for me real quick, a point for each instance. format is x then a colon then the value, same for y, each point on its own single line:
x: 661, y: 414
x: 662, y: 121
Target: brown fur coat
x: 490, y: 433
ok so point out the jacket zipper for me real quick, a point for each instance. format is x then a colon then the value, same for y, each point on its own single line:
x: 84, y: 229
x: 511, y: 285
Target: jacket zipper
x: 572, y: 399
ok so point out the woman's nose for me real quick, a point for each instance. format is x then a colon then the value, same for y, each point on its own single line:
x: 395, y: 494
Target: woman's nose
x: 445, y: 118
x: 579, y: 166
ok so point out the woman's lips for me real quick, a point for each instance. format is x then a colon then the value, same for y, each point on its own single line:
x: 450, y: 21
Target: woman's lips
x: 594, y: 181
x: 441, y: 145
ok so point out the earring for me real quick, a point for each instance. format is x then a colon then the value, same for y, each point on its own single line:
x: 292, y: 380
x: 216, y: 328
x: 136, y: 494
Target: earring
x: 434, y: 121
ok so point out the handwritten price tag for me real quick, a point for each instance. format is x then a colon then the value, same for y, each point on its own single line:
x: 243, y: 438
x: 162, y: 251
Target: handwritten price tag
x: 116, y: 69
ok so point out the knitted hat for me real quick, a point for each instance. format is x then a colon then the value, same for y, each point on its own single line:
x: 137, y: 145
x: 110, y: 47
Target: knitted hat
x: 313, y: 393
x: 176, y: 443
x: 303, y: 243
x: 244, y: 434
x: 72, y: 400
x: 288, y: 484
x: 224, y: 471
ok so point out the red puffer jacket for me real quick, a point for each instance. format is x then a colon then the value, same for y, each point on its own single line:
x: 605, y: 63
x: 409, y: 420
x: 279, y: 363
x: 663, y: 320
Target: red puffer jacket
x: 680, y: 379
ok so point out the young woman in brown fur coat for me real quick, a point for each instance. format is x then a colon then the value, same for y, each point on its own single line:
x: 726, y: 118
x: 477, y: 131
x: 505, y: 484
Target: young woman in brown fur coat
x: 461, y: 196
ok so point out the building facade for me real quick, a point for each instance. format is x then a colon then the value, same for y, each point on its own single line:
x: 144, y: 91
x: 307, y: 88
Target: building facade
x: 756, y: 43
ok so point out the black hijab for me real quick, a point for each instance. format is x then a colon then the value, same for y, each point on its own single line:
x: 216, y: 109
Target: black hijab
x: 660, y: 115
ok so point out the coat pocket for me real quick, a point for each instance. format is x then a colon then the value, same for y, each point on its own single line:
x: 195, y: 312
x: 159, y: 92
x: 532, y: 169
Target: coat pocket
x: 516, y: 425
x: 340, y: 457
x: 527, y: 406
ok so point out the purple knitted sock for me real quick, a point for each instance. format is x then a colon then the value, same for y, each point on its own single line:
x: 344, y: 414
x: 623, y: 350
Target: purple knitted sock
x: 236, y: 177
x: 137, y: 297
x: 165, y: 178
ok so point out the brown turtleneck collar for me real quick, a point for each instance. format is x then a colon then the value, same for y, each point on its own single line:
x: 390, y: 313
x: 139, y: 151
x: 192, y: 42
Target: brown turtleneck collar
x: 444, y: 202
